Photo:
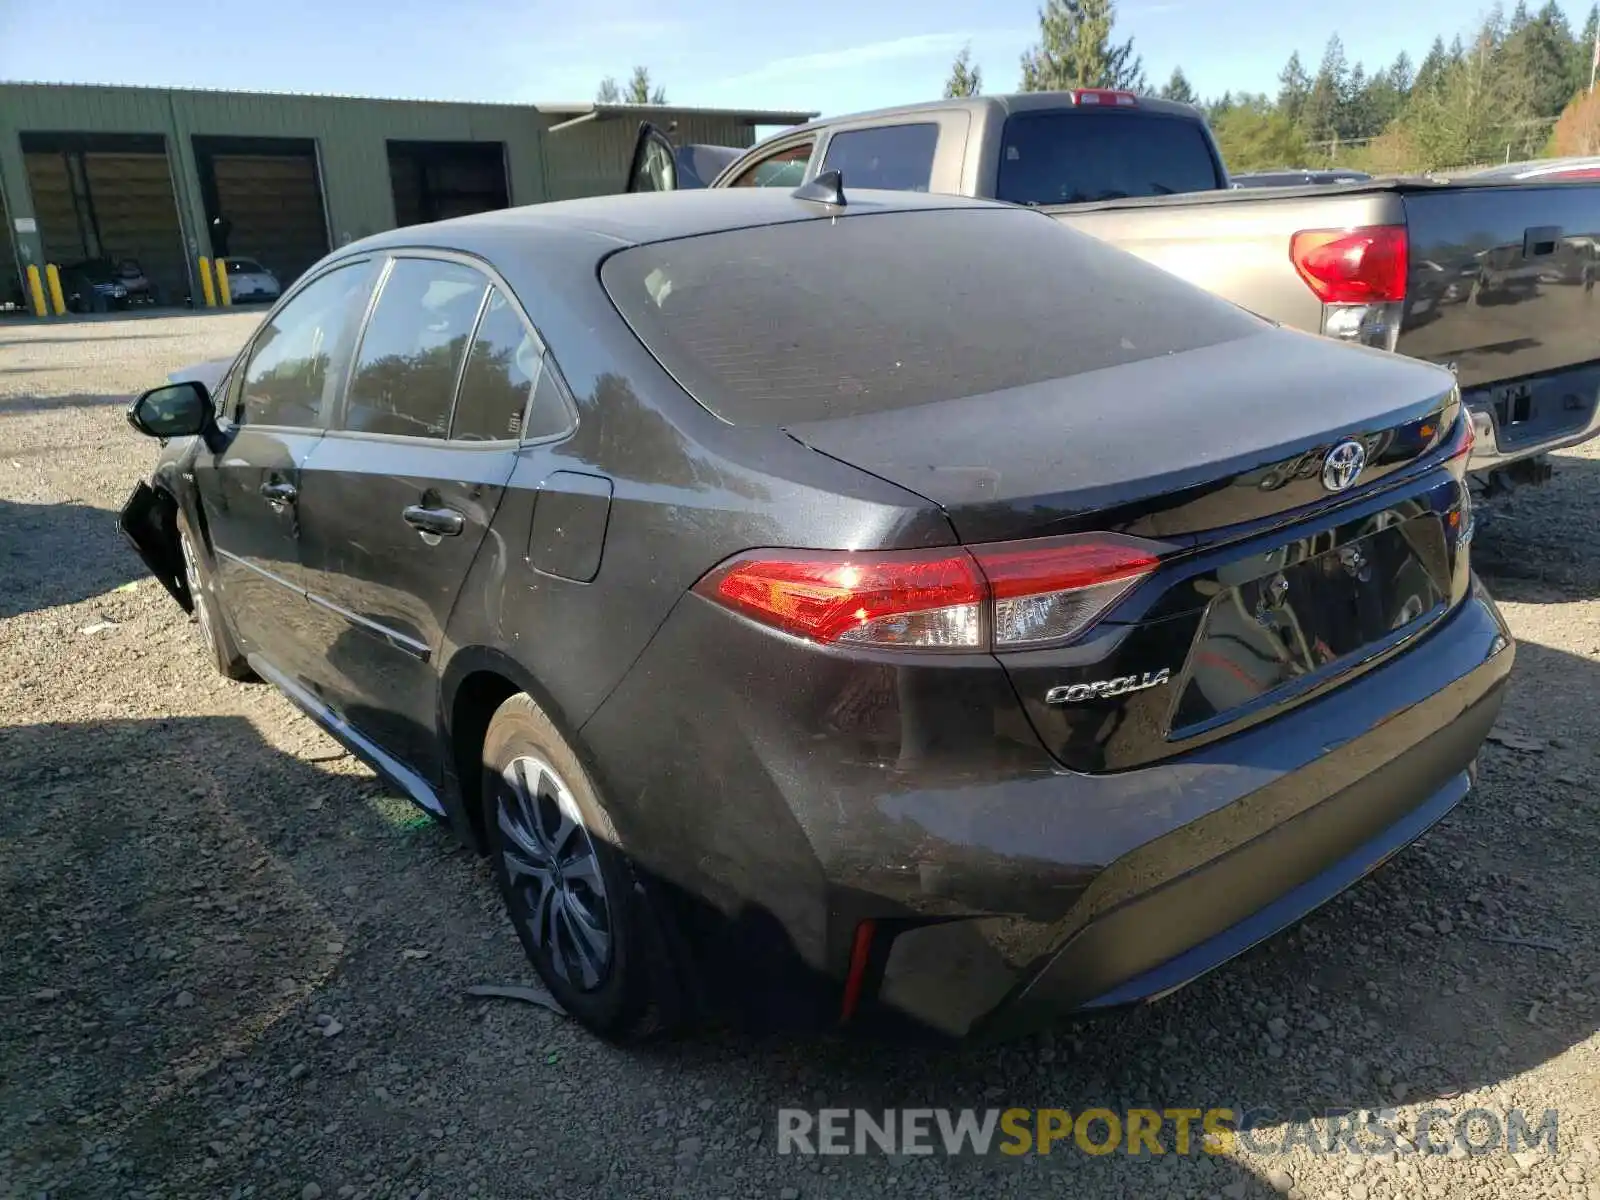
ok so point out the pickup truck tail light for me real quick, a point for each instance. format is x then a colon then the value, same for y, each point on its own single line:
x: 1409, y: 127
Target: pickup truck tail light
x: 1108, y: 97
x: 999, y: 596
x: 1360, y: 277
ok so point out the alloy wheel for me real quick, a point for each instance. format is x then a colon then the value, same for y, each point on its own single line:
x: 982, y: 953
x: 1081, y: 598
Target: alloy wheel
x: 191, y: 575
x: 550, y: 863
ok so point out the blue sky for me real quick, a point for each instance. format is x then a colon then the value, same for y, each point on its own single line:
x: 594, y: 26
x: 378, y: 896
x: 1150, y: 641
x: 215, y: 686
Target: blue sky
x: 838, y: 56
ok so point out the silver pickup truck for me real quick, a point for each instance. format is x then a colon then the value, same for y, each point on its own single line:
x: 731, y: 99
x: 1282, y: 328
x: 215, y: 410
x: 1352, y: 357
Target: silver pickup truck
x: 1492, y: 278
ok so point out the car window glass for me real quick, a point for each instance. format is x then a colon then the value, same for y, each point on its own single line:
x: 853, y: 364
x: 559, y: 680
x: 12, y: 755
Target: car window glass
x: 289, y: 362
x: 411, y: 350
x: 786, y: 168
x: 502, y: 368
x: 895, y: 157
x: 1069, y: 157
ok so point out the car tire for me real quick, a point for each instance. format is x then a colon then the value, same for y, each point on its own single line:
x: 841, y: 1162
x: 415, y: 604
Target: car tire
x: 214, y: 632
x: 587, y: 926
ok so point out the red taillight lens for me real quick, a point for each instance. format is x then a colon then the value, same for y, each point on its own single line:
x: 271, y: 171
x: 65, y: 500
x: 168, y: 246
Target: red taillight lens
x: 899, y: 598
x: 1008, y: 595
x: 1353, y: 266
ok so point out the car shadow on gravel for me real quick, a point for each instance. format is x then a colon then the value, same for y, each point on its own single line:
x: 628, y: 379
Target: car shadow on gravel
x: 223, y: 962
x: 53, y: 554
x: 34, y: 404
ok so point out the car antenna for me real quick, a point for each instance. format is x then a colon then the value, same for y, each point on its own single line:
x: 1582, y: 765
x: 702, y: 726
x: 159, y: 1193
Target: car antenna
x: 828, y: 188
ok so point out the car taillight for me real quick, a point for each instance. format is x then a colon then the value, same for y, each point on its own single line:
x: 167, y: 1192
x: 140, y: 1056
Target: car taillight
x: 1360, y: 277
x: 1000, y: 595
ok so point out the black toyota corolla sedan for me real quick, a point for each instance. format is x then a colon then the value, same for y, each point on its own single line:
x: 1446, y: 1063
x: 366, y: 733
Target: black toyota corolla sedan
x: 898, y: 606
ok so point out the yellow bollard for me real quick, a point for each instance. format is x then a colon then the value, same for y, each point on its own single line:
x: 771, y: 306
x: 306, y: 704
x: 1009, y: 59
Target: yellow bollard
x: 205, y: 282
x: 53, y: 278
x: 224, y: 292
x: 36, y: 290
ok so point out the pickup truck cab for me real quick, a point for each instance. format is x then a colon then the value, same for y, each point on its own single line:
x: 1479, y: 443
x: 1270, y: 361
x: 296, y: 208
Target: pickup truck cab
x: 1489, y: 277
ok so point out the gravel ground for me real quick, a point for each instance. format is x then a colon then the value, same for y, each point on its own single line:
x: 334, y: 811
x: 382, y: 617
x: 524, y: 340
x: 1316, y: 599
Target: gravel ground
x: 233, y: 964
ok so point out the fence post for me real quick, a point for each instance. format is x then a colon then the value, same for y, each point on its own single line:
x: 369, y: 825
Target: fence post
x: 36, y: 290
x: 53, y: 278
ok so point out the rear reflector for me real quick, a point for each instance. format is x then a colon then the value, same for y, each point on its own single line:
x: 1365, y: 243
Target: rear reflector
x: 1001, y: 595
x: 1466, y: 437
x: 1106, y: 96
x: 1353, y: 266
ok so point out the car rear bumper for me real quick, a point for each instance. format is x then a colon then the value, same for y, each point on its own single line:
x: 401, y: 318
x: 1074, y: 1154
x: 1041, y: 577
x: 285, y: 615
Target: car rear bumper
x: 997, y: 889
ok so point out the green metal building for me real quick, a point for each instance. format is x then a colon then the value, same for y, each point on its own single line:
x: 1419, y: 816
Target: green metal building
x: 165, y: 176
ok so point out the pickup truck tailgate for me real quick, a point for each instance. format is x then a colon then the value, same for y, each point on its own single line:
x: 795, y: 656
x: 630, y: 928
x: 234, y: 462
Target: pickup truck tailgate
x: 1501, y: 289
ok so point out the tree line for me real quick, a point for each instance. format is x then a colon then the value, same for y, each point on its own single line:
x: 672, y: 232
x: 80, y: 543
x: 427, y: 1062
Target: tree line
x: 1499, y: 91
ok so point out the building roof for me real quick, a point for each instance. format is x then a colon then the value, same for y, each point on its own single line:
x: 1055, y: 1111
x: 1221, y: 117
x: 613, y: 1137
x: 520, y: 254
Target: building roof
x: 561, y: 110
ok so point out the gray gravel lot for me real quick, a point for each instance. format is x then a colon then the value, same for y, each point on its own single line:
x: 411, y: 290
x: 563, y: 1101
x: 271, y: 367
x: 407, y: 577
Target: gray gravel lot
x: 233, y: 964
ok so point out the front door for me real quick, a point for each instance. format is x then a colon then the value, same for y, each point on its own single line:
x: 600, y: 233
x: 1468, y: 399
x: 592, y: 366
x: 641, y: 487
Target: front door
x: 250, y: 491
x: 654, y: 167
x: 398, y: 498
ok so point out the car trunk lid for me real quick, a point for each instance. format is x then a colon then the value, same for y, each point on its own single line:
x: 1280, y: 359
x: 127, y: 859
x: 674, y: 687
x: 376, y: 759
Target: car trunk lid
x: 1175, y: 447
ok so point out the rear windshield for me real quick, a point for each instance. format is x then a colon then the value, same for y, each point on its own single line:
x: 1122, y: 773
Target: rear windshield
x: 1071, y: 157
x: 784, y: 324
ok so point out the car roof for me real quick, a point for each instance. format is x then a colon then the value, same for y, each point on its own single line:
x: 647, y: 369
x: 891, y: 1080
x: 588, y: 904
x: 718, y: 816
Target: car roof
x: 610, y: 222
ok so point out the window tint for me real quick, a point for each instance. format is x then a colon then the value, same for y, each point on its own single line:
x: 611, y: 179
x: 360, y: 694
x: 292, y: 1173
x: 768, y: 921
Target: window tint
x: 502, y: 368
x: 900, y: 309
x: 896, y: 157
x: 1070, y: 157
x: 290, y: 360
x: 786, y: 168
x: 411, y: 351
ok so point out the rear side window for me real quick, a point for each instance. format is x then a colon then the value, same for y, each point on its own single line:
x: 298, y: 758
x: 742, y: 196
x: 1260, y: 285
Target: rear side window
x: 822, y: 318
x: 895, y: 157
x: 503, y: 369
x: 412, y: 349
x: 1070, y: 157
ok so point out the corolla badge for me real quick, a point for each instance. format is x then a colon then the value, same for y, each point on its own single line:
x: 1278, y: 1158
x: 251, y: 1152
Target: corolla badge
x: 1074, y: 693
x: 1343, y: 465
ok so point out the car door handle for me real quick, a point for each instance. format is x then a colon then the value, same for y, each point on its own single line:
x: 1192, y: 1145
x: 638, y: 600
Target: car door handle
x: 441, y: 522
x: 279, y: 494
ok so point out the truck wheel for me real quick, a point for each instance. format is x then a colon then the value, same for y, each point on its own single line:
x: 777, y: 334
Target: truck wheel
x: 214, y: 631
x: 578, y: 906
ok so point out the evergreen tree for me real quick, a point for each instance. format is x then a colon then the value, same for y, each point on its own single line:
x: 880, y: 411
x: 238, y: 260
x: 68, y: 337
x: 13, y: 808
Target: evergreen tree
x: 639, y: 91
x: 1583, y: 52
x: 608, y: 92
x: 1294, y: 85
x: 965, y: 79
x: 1177, y: 88
x: 1321, y: 116
x: 1536, y: 59
x: 1075, y: 50
x: 1433, y: 67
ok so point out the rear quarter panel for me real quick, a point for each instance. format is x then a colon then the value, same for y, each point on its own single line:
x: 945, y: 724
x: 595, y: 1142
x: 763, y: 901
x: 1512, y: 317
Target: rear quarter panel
x: 1236, y: 244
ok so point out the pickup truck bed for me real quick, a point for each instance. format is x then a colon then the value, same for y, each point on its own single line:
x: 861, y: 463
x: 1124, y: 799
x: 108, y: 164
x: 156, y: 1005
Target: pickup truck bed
x: 1507, y: 306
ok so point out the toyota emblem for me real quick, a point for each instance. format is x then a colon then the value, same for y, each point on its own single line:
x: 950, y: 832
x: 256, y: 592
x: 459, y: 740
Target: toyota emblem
x: 1342, y: 465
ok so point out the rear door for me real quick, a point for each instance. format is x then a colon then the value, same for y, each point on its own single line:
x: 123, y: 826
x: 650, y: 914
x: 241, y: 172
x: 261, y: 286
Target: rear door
x: 399, y: 495
x: 272, y: 416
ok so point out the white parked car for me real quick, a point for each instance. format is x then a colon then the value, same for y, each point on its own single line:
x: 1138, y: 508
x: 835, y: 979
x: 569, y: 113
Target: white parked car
x: 249, y: 280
